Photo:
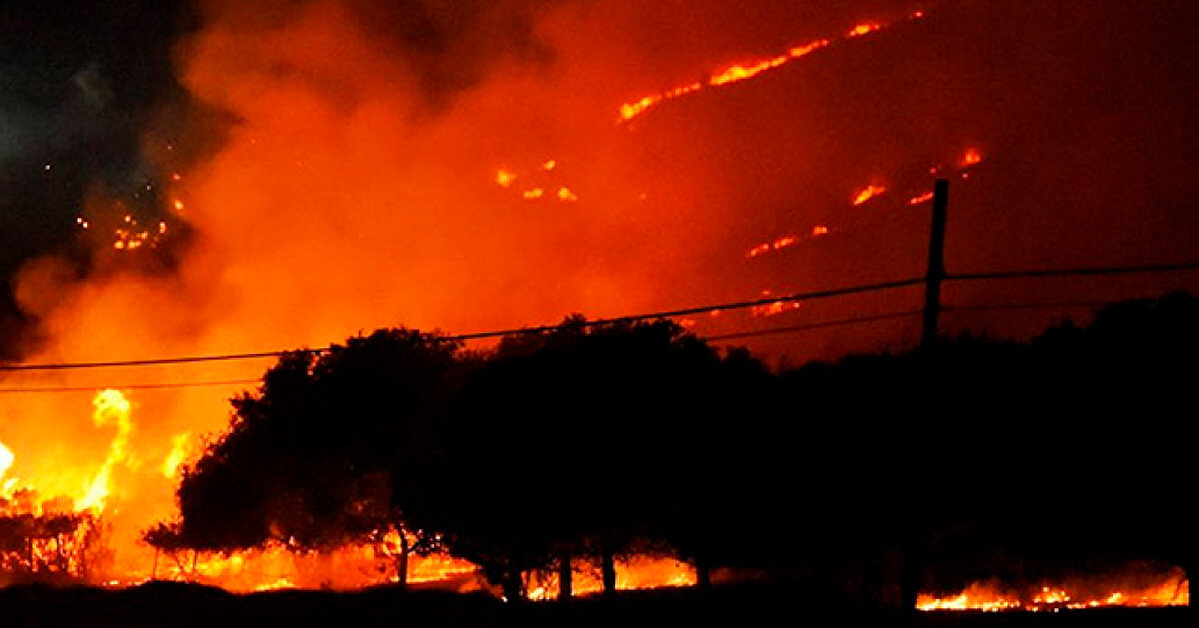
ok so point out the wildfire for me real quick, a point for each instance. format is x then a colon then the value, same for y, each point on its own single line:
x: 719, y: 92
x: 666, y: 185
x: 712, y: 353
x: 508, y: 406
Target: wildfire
x: 1170, y: 589
x: 746, y: 70
x: 865, y: 28
x: 504, y: 178
x: 180, y: 450
x: 566, y: 196
x: 742, y: 72
x: 775, y: 245
x: 921, y: 199
x: 971, y: 158
x: 638, y: 572
x: 131, y: 236
x: 111, y: 408
x: 868, y: 193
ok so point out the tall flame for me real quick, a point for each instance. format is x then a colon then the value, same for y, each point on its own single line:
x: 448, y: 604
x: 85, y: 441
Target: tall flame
x: 111, y: 408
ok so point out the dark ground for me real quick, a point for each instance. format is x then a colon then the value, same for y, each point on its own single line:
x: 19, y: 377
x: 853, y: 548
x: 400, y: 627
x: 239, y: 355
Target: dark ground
x: 172, y: 604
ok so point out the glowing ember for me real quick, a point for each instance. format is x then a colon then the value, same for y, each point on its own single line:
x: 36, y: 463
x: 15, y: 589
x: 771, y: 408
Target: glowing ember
x: 864, y: 28
x: 565, y: 195
x: 778, y: 244
x: 972, y: 157
x: 868, y: 193
x: 921, y: 199
x: 504, y: 178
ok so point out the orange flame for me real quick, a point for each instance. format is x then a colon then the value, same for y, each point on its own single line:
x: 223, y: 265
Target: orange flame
x: 1133, y: 590
x: 504, y: 178
x: 868, y: 193
x: 112, y: 408
x: 742, y: 71
x: 921, y: 199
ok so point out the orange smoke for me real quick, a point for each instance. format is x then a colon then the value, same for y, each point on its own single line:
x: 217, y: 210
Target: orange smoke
x: 341, y: 200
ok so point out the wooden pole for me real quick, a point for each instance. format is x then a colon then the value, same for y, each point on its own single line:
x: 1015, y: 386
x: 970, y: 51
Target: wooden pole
x: 936, y: 264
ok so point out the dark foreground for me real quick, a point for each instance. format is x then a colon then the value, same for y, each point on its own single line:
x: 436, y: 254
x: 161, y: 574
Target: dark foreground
x: 171, y: 604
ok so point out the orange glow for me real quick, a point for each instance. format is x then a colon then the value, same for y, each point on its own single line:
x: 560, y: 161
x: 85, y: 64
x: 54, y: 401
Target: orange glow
x: 819, y: 230
x: 533, y: 193
x: 921, y: 199
x: 775, y: 245
x: 638, y: 572
x: 746, y: 70
x: 972, y: 157
x: 566, y: 196
x: 80, y: 489
x: 504, y: 178
x: 864, y: 28
x: 741, y: 72
x: 180, y: 451
x: 6, y: 460
x: 1130, y: 590
x: 869, y: 192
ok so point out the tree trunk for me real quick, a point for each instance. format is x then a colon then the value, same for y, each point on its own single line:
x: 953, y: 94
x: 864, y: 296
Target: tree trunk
x: 608, y: 569
x: 402, y: 562
x: 565, y: 577
x: 703, y: 573
x: 513, y: 587
x: 913, y: 574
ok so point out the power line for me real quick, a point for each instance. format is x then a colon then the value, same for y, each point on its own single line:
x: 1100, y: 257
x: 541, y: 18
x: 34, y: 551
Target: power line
x: 712, y: 338
x: 736, y: 305
x: 1068, y: 272
x: 807, y: 326
x: 1048, y: 305
x: 60, y: 366
x: 898, y: 315
x: 203, y: 384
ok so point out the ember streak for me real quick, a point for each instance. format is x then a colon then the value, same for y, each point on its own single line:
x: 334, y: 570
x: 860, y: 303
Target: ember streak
x: 747, y: 70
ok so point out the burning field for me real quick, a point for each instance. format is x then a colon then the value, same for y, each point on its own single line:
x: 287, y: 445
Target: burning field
x: 338, y: 166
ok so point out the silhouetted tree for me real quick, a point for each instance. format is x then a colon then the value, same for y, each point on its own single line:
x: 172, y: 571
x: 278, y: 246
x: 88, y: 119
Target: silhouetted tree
x: 574, y: 442
x: 332, y: 449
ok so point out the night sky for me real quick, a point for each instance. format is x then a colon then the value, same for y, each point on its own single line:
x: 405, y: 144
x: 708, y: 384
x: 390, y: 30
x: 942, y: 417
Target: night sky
x: 80, y: 85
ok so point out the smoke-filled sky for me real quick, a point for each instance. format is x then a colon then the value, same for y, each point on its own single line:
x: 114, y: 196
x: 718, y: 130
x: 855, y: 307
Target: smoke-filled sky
x: 333, y: 163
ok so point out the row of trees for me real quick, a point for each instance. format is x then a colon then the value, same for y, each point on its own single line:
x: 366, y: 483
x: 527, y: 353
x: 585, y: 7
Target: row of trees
x: 598, y: 440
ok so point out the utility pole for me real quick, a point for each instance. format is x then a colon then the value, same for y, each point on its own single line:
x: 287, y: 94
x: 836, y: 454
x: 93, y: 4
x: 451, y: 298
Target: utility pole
x: 913, y: 550
x: 936, y: 264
